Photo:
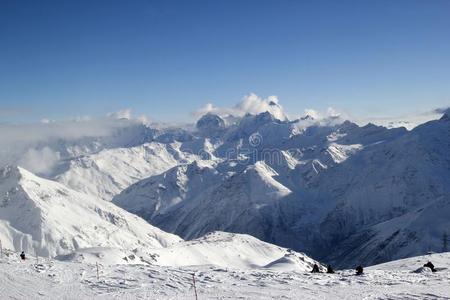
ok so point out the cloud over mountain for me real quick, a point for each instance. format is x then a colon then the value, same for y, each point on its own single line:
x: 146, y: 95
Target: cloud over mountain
x: 249, y: 104
x: 27, y: 143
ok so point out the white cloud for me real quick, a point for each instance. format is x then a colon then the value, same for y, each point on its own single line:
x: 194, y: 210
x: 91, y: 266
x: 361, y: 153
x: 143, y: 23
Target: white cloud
x: 143, y: 119
x: 36, y: 146
x: 121, y: 114
x: 409, y: 121
x: 312, y: 113
x: 46, y: 121
x: 252, y: 104
x: 441, y: 110
x: 330, y: 112
x: 40, y: 161
x: 30, y: 133
x: 23, y: 143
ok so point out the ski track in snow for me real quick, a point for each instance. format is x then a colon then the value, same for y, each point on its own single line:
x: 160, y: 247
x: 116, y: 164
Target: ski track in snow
x: 66, y: 280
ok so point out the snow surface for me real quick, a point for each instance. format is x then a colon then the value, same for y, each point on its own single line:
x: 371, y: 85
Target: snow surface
x: 220, y: 249
x: 340, y: 192
x: 44, y: 217
x: 108, y: 172
x: 50, y: 279
x: 230, y: 250
x: 337, y: 191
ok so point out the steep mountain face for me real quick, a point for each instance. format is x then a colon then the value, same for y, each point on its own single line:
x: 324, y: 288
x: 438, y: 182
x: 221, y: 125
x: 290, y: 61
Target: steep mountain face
x: 108, y: 172
x: 361, y: 191
x: 210, y: 125
x: 231, y: 196
x: 418, y: 231
x: 234, y: 196
x: 246, y: 194
x: 45, y: 217
x: 390, y: 196
x: 168, y: 189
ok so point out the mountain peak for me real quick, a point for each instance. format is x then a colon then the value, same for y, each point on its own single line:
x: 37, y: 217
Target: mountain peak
x: 277, y: 111
x: 210, y: 122
x: 307, y: 117
x: 347, y: 125
x: 8, y: 170
x: 446, y: 115
x: 12, y: 172
x: 273, y: 103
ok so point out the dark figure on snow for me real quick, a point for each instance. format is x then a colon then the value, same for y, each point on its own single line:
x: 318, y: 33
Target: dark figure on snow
x: 330, y: 270
x: 359, y: 270
x: 315, y: 269
x: 430, y: 265
x: 22, y: 255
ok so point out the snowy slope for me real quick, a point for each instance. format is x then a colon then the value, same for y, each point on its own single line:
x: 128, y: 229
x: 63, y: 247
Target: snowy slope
x: 441, y: 262
x: 325, y: 186
x: 229, y: 250
x: 104, y: 255
x: 108, y: 172
x: 411, y: 234
x: 396, y: 199
x: 43, y: 216
x: 177, y: 200
x: 66, y: 280
x: 160, y: 193
x: 219, y: 249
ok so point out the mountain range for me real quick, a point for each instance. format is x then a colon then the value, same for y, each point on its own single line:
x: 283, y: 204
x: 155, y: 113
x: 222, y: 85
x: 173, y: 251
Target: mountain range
x: 342, y: 193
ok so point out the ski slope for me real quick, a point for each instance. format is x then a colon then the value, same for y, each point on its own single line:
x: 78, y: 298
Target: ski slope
x: 71, y: 280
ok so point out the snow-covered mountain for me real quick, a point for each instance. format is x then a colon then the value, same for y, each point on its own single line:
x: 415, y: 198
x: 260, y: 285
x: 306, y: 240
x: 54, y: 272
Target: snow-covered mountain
x: 310, y: 186
x: 106, y: 173
x: 340, y: 192
x: 396, y: 201
x: 41, y: 216
x: 177, y: 200
x: 47, y: 218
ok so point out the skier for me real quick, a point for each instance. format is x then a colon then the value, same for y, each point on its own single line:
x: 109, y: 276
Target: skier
x: 22, y: 255
x: 359, y: 270
x: 315, y: 269
x: 430, y: 265
x: 330, y: 270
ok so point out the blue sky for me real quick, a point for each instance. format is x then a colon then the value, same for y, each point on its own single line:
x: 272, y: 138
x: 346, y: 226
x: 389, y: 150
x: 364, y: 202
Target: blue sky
x: 62, y: 59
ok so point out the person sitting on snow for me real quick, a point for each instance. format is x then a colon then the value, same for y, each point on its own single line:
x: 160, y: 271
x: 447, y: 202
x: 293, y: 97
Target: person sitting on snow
x: 22, y: 255
x: 359, y: 270
x: 430, y: 265
x: 315, y: 269
x: 330, y: 270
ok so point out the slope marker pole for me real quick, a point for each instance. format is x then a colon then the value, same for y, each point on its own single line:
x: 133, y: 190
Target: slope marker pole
x: 195, y: 288
x: 96, y: 263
